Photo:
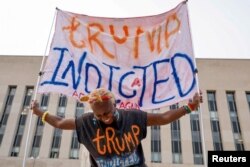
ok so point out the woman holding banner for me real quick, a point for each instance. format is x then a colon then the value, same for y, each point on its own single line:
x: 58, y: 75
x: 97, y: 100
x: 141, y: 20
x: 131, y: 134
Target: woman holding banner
x: 113, y: 136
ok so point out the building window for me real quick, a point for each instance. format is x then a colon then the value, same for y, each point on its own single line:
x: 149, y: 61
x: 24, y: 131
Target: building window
x: 62, y: 105
x: 217, y: 142
x: 74, y: 150
x: 79, y: 109
x: 45, y: 101
x: 62, y: 101
x: 176, y: 139
x: 6, y: 111
x: 39, y: 128
x: 231, y: 102
x: 195, y: 125
x: 22, y: 121
x: 214, y: 120
x: 215, y: 126
x: 212, y: 106
x: 56, y: 142
x: 248, y: 99
x: 196, y: 138
x: 75, y: 145
x: 155, y: 142
x: 239, y: 146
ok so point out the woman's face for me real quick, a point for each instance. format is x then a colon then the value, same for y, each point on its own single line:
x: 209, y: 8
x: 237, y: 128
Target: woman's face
x: 104, y: 111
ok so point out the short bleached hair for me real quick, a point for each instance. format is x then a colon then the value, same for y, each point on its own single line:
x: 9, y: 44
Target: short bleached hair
x: 99, y: 95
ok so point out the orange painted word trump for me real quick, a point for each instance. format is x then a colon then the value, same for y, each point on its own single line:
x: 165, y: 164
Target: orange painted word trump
x: 115, y: 143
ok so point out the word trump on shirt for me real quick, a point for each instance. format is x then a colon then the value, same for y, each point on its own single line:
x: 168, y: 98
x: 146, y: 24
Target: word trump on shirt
x: 111, y: 142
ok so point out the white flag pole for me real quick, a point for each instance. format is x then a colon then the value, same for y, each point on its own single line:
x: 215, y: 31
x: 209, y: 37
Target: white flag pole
x: 35, y: 93
x: 200, y: 113
x: 201, y: 122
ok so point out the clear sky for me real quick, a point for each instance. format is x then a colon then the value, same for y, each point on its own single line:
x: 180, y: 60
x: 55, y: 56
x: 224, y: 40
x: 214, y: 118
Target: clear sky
x: 219, y: 28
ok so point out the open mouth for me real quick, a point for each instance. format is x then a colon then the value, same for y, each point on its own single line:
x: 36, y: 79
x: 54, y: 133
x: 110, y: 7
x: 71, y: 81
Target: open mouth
x: 107, y: 120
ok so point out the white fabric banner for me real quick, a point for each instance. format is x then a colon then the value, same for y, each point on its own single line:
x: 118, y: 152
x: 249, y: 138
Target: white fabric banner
x: 147, y: 62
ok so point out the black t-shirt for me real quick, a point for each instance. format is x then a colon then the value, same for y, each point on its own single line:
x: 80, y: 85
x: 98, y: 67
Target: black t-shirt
x: 117, y: 144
